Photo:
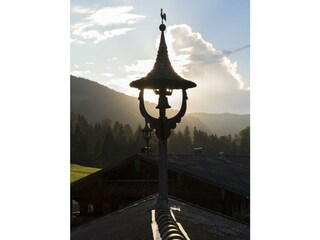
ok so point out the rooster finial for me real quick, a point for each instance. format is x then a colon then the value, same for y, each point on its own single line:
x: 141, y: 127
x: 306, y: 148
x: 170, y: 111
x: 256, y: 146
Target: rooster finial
x: 163, y: 16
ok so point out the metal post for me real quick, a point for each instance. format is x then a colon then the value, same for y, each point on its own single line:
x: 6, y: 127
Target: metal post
x: 163, y: 171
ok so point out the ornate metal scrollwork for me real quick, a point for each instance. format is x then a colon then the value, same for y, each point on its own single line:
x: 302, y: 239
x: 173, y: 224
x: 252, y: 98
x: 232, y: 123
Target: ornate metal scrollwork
x: 168, y: 123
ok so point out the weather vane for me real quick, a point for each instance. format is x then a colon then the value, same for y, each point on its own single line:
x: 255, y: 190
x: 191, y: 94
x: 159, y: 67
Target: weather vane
x: 163, y: 16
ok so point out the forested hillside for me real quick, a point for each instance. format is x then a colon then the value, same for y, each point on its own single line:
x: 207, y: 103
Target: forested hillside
x: 93, y: 144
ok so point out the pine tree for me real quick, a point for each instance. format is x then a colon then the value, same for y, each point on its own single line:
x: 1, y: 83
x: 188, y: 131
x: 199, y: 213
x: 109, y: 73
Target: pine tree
x: 108, y: 146
x: 244, y: 148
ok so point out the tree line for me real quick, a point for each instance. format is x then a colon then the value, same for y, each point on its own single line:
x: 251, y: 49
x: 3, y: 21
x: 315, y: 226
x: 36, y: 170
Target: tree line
x: 96, y: 144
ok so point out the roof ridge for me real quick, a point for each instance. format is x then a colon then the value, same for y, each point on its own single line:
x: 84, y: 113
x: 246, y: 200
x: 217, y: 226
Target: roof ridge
x: 205, y: 209
x: 167, y: 225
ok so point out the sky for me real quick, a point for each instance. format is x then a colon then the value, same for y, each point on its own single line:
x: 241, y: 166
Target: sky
x: 116, y: 42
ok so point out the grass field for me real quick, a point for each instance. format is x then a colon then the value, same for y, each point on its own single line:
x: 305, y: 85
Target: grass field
x: 77, y: 172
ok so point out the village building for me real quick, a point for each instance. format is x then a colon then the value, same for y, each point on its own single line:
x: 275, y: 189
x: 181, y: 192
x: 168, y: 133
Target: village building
x: 213, y: 183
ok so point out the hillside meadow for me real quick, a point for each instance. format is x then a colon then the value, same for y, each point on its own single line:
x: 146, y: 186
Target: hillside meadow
x: 77, y: 172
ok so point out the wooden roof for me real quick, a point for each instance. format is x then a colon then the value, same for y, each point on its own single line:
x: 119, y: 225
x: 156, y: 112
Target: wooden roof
x: 219, y: 172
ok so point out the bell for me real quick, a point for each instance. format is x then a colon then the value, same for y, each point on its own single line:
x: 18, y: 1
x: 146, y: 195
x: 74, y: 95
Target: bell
x: 163, y: 103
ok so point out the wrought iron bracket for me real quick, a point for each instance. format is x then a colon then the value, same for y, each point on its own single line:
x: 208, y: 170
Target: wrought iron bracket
x: 168, y: 123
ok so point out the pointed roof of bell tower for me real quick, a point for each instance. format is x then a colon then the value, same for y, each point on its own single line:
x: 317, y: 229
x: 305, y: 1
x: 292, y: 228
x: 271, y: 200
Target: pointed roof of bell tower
x: 162, y: 75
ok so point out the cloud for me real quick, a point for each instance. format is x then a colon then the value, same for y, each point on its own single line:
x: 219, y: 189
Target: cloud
x: 81, y: 10
x: 220, y: 87
x: 93, y: 25
x: 232, y: 70
x: 98, y: 36
x: 79, y: 27
x: 114, y: 15
x: 76, y: 41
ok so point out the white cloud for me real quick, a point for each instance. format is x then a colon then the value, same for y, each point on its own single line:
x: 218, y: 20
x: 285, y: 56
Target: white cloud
x: 114, y: 15
x: 204, y: 59
x: 232, y: 69
x: 92, y: 27
x: 100, y: 36
x: 117, y: 32
x: 220, y: 87
x: 80, y: 27
x: 91, y: 34
x: 81, y: 10
x: 76, y: 41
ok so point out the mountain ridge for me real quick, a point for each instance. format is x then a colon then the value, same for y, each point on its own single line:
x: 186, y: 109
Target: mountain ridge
x: 97, y: 102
